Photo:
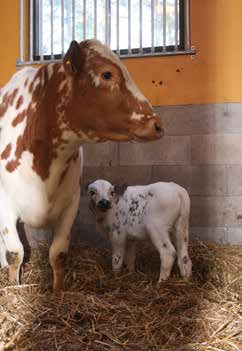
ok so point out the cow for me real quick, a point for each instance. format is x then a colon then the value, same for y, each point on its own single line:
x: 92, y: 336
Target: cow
x: 144, y: 212
x: 46, y: 114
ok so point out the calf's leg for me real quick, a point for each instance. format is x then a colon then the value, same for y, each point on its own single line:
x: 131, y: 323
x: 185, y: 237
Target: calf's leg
x: 118, y: 253
x: 61, y: 239
x: 181, y: 241
x: 129, y: 258
x: 161, y: 240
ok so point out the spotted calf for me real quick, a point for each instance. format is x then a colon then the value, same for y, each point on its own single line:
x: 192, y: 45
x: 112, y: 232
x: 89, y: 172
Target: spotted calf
x: 46, y: 114
x: 144, y: 212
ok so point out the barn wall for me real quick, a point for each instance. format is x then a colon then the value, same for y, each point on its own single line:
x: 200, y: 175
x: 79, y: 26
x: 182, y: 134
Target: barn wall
x: 200, y: 101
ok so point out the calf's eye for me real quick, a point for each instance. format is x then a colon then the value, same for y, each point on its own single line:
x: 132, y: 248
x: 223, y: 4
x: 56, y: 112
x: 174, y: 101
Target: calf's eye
x: 107, y: 75
x: 112, y: 193
x: 91, y: 192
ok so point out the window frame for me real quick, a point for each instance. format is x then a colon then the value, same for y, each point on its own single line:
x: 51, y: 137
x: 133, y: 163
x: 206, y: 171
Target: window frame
x: 123, y: 53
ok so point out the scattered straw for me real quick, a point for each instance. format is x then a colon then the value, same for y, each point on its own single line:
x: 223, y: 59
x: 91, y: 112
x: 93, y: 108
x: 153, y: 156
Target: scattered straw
x: 100, y: 311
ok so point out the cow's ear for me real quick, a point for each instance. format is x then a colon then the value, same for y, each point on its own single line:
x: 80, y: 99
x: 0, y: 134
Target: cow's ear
x: 120, y: 189
x: 87, y: 185
x: 74, y: 60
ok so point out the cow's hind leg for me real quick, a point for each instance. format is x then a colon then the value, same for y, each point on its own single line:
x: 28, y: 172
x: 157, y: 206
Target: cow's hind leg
x: 60, y: 244
x: 161, y: 240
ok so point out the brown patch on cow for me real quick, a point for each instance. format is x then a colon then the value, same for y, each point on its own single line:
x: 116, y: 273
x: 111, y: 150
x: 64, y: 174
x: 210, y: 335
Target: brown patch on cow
x: 26, y: 82
x: 6, y: 152
x: 12, y: 258
x: 19, y: 102
x: 12, y: 165
x: 12, y: 96
x: 7, y: 101
x: 31, y: 87
x: 20, y: 117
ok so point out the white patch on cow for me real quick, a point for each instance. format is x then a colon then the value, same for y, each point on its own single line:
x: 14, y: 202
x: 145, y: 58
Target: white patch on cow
x: 62, y: 84
x: 104, y: 51
x: 136, y: 116
x: 50, y: 70
x: 95, y: 78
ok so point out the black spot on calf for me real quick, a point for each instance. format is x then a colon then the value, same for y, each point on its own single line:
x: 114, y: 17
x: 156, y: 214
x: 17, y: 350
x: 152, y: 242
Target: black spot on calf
x: 185, y: 259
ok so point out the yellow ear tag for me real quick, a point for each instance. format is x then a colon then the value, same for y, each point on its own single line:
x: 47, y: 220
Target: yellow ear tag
x: 68, y: 62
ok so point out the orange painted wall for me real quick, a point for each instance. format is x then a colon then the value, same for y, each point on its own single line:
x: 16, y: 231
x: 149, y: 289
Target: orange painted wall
x: 215, y: 75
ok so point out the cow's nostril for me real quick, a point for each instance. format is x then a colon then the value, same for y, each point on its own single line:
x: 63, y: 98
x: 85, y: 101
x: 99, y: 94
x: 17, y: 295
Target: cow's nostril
x: 158, y: 128
x: 104, y: 204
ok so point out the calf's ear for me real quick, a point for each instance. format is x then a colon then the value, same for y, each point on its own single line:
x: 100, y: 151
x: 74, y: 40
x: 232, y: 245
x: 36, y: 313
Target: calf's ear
x: 74, y: 60
x: 119, y: 189
x: 87, y: 185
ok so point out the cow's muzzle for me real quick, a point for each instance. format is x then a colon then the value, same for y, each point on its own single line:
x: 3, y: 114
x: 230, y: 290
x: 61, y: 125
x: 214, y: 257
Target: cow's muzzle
x: 104, y: 205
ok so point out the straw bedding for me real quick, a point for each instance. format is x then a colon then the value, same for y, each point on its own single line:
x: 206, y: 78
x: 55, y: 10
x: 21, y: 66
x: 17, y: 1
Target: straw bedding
x: 100, y: 311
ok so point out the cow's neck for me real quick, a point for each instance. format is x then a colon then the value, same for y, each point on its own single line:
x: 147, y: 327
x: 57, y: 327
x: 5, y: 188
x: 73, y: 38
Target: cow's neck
x: 47, y: 135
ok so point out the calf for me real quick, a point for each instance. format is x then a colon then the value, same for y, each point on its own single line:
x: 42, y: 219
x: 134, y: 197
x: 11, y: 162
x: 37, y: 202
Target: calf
x: 46, y: 114
x: 142, y: 212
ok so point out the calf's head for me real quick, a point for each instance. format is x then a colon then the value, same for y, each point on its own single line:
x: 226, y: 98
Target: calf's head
x: 101, y: 194
x: 105, y: 103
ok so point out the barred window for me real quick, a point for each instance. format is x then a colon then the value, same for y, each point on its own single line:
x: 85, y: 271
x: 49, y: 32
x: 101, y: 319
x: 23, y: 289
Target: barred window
x: 130, y: 27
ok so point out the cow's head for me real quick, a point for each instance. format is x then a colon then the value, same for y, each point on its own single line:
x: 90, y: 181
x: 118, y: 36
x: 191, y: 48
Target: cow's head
x: 105, y: 103
x: 101, y: 194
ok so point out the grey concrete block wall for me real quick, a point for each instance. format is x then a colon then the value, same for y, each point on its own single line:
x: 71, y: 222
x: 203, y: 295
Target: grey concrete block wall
x: 201, y: 150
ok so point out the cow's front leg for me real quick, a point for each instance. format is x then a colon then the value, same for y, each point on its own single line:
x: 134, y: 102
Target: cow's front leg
x: 12, y: 251
x: 61, y: 239
x: 118, y: 246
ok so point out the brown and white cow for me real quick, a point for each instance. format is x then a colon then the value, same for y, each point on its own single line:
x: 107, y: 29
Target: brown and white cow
x: 46, y: 114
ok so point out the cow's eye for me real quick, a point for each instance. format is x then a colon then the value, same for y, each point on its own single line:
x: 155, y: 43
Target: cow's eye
x: 92, y: 192
x: 107, y: 75
x: 112, y: 193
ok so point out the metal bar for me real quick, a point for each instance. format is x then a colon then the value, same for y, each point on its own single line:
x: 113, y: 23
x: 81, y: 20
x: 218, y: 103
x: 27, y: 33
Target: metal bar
x: 95, y: 19
x: 129, y: 27
x: 164, y: 26
x: 22, y: 30
x: 117, y: 12
x: 187, y: 25
x: 62, y: 27
x: 107, y: 22
x: 31, y: 30
x: 41, y: 29
x: 176, y: 25
x: 51, y: 28
x: 73, y: 22
x: 152, y: 26
x: 84, y: 20
x: 140, y: 28
x: 167, y: 53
